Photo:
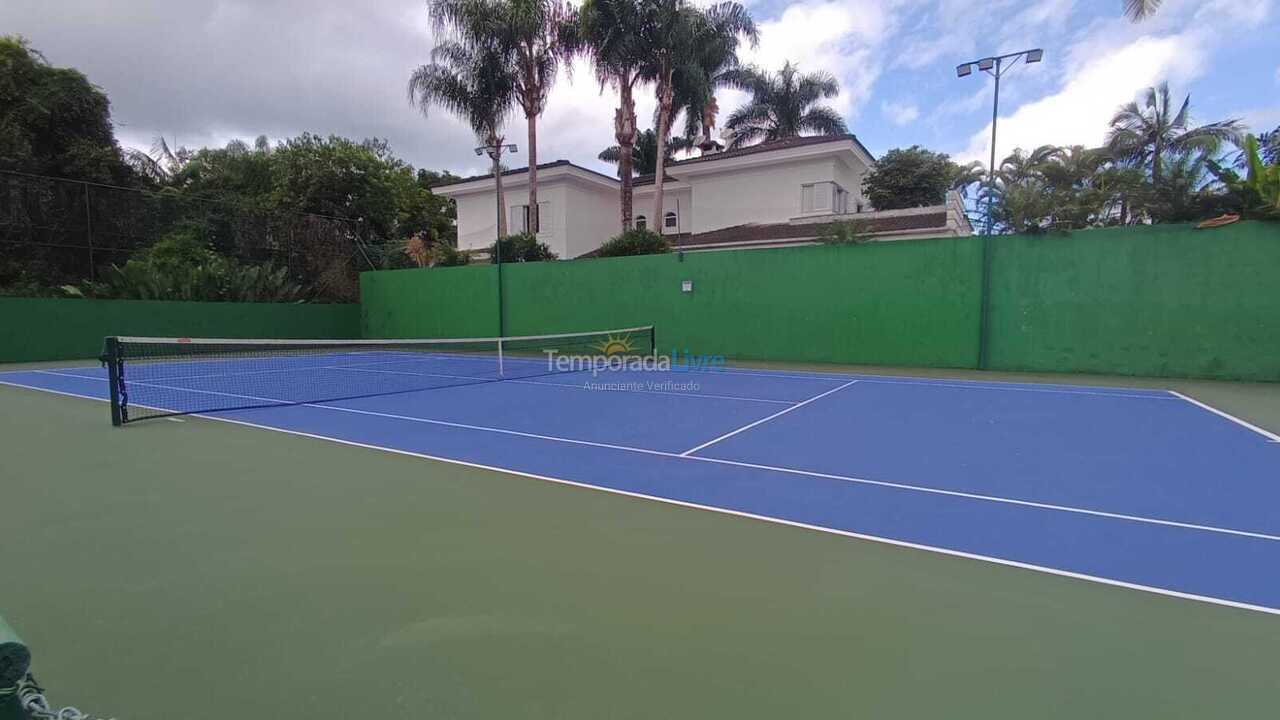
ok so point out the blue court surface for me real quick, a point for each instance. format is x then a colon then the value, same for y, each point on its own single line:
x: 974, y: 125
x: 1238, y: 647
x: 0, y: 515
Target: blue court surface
x: 1145, y: 489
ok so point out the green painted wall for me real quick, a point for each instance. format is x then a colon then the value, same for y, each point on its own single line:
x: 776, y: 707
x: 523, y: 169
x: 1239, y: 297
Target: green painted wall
x: 441, y: 302
x: 50, y: 329
x: 1160, y: 301
x: 904, y: 304
x: 1166, y: 301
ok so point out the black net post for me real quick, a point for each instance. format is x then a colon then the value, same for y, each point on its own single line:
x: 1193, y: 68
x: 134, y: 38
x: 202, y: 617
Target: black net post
x: 115, y: 374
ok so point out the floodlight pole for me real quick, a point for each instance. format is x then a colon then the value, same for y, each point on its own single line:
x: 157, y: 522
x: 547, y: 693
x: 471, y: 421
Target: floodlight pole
x: 995, y: 67
x: 495, y: 152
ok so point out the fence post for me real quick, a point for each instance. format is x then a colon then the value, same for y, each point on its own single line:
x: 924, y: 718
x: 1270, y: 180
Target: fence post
x: 88, y: 232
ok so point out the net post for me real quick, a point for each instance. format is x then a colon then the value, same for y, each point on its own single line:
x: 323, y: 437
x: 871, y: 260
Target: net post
x: 501, y: 371
x: 112, y: 360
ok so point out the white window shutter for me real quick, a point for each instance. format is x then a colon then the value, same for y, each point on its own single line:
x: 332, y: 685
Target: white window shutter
x: 822, y: 196
x: 516, y: 219
x: 544, y: 218
x: 806, y: 198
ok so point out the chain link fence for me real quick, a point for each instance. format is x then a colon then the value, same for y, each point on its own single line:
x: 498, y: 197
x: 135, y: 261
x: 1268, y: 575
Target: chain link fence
x: 56, y: 232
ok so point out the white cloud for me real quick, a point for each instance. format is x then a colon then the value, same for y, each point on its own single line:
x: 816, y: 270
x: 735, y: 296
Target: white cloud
x: 900, y: 113
x: 1260, y: 120
x: 1079, y: 112
x: 838, y: 37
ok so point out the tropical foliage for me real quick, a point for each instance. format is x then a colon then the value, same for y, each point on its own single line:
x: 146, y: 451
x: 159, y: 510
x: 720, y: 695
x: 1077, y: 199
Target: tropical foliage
x: 644, y: 155
x: 915, y: 177
x: 1156, y: 166
x: 1259, y: 191
x: 679, y: 37
x: 520, y: 248
x: 783, y: 104
x: 317, y: 209
x: 1143, y: 133
x: 472, y: 78
x: 611, y: 37
x: 635, y: 242
x: 535, y: 37
x: 849, y: 232
x: 53, y: 121
x: 181, y: 267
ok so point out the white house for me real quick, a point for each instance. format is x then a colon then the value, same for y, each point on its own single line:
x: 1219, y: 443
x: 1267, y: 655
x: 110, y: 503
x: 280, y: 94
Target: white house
x: 778, y: 193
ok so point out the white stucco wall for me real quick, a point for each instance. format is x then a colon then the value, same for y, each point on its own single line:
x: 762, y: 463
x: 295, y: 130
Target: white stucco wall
x: 851, y: 179
x: 678, y: 199
x: 591, y: 217
x: 477, y: 223
x: 762, y: 194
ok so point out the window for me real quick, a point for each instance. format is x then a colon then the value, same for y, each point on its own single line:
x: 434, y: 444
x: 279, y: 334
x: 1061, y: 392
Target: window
x: 519, y: 220
x: 823, y: 197
x: 641, y: 223
x: 670, y: 221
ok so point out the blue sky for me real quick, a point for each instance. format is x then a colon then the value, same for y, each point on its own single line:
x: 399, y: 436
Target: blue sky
x: 203, y: 72
x: 896, y: 62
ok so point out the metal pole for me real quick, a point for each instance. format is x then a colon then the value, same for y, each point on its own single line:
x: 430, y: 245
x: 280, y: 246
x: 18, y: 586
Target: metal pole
x: 984, y: 308
x: 497, y: 254
x: 88, y: 232
x: 991, y: 169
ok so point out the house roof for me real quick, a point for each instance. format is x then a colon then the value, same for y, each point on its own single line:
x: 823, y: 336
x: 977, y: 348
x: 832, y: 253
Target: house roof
x: 783, y: 144
x: 764, y: 232
x: 524, y: 170
x: 797, y: 233
x: 640, y: 180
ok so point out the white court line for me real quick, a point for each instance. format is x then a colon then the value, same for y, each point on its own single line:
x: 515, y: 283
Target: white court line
x: 1164, y: 592
x: 424, y: 342
x: 771, y: 468
x: 359, y: 367
x: 568, y: 386
x: 1052, y: 388
x: 763, y: 420
x: 1272, y: 437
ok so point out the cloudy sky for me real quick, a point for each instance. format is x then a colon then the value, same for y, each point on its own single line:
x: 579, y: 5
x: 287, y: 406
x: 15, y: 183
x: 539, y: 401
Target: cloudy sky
x: 200, y: 72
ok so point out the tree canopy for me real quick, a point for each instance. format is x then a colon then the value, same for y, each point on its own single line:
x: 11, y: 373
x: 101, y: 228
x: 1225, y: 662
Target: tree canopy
x: 53, y: 121
x: 783, y: 104
x: 912, y: 177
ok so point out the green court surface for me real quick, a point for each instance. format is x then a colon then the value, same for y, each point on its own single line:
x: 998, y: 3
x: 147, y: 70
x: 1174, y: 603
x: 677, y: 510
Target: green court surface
x: 198, y: 569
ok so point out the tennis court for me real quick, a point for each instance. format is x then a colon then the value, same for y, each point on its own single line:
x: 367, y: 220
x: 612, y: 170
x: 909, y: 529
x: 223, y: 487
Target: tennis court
x: 1147, y: 495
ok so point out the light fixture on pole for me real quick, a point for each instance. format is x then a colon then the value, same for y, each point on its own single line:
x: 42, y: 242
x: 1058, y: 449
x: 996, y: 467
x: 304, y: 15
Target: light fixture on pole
x: 995, y: 67
x: 495, y: 151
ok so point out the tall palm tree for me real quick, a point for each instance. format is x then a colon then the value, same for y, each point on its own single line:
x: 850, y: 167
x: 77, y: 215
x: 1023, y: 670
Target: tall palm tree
x: 644, y: 154
x: 1142, y: 134
x: 1137, y: 10
x: 783, y: 104
x: 539, y: 36
x: 162, y: 164
x: 676, y: 36
x: 610, y: 33
x: 475, y: 82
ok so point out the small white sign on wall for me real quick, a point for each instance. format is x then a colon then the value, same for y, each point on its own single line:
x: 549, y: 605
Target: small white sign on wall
x: 686, y: 286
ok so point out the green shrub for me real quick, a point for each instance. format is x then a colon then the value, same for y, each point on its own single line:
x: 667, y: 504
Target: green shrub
x: 849, y: 232
x: 181, y: 267
x: 635, y: 242
x: 450, y: 256
x: 522, y: 248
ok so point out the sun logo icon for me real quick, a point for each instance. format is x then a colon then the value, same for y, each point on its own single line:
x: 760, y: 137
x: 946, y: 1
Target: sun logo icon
x: 614, y: 345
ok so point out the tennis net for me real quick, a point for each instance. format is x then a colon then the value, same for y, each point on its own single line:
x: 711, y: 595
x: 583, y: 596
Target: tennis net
x: 158, y: 377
